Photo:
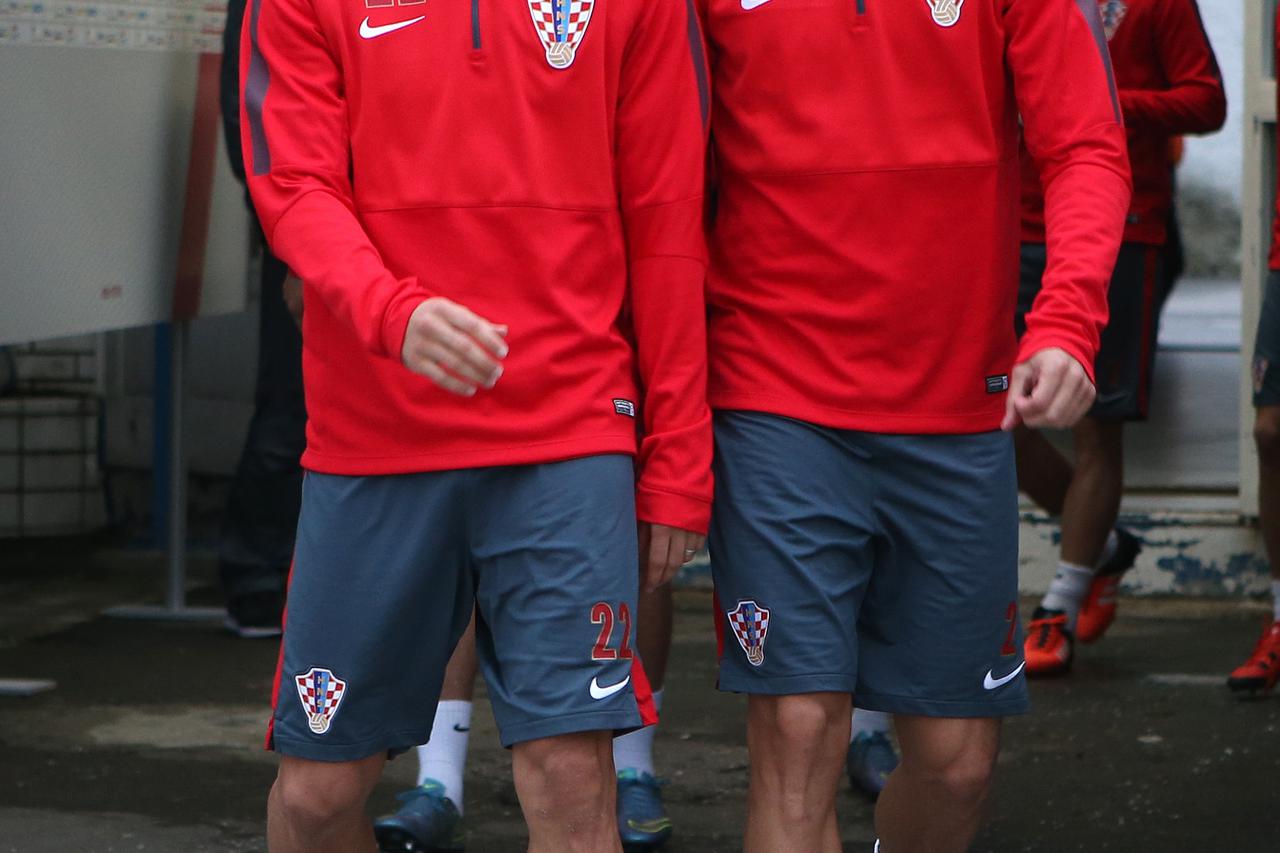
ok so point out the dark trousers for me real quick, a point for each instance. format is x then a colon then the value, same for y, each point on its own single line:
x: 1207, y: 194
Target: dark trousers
x: 256, y: 546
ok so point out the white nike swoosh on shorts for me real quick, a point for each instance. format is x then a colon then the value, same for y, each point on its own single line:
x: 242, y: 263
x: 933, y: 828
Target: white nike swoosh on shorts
x: 370, y: 32
x: 991, y: 683
x: 598, y: 692
x: 748, y: 5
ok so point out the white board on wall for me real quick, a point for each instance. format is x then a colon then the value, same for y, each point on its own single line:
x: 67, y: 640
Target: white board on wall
x: 97, y: 175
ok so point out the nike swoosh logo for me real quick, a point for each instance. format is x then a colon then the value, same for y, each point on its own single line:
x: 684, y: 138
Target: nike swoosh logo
x: 748, y: 5
x: 598, y: 692
x: 461, y: 728
x: 368, y: 32
x: 992, y: 683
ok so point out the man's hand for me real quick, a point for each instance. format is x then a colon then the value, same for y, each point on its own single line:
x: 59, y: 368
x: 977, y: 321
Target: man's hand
x: 663, y: 550
x: 1050, y: 389
x: 292, y: 291
x: 454, y: 348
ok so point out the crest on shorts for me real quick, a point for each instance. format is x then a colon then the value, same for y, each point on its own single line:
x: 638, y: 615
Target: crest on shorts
x: 946, y: 13
x: 561, y: 24
x: 1112, y: 13
x: 750, y: 623
x: 321, y: 693
x: 1260, y: 366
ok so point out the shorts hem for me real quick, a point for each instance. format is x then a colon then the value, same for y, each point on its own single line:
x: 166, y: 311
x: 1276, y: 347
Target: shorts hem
x: 567, y: 724
x: 788, y: 685
x: 917, y: 706
x: 391, y: 743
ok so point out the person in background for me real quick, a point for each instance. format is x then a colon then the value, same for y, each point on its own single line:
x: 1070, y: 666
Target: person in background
x: 255, y: 546
x: 1169, y: 84
x: 1261, y: 670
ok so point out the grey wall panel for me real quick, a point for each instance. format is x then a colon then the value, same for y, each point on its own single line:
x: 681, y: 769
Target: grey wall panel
x: 94, y: 148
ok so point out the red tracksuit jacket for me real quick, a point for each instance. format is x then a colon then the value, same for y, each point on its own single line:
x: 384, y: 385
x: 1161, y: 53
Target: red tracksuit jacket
x: 864, y: 258
x: 1169, y: 84
x: 538, y: 161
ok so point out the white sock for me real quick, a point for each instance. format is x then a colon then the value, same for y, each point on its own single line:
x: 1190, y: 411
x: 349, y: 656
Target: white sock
x: 1109, y: 549
x: 869, y: 722
x: 1275, y: 598
x: 1066, y: 593
x: 444, y: 757
x: 634, y: 750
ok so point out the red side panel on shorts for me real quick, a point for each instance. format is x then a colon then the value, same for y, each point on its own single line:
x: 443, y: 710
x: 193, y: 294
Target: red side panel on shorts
x: 719, y: 626
x: 1150, y: 310
x: 275, y: 685
x: 644, y: 693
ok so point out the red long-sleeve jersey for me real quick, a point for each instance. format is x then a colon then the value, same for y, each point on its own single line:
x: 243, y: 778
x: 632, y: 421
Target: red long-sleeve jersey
x: 540, y: 162
x: 864, y: 257
x: 1169, y: 84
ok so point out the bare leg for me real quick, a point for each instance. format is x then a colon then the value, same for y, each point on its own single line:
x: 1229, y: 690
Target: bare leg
x: 319, y: 806
x: 1093, y: 502
x: 1266, y: 435
x: 460, y: 675
x: 1044, y: 474
x: 934, y: 801
x: 653, y: 633
x: 566, y: 787
x: 797, y: 746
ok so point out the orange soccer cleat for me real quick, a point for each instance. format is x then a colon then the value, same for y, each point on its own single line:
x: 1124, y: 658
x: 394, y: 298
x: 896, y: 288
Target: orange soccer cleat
x: 1099, y: 608
x: 1261, y: 671
x: 1049, y: 647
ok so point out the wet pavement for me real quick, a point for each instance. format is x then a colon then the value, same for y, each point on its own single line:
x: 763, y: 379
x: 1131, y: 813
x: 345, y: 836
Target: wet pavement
x: 151, y: 741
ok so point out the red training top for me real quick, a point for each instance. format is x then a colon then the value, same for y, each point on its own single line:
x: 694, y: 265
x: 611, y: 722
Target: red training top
x: 864, y: 261
x: 1169, y: 84
x: 539, y: 162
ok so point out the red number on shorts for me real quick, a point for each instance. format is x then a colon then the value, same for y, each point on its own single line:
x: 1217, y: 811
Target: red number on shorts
x: 624, y: 615
x: 602, y: 615
x: 1010, y: 616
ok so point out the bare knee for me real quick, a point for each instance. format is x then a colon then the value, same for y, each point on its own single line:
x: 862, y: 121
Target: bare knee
x: 315, y: 793
x: 1098, y: 441
x: 963, y: 776
x: 1266, y: 435
x: 798, y: 725
x: 563, y: 770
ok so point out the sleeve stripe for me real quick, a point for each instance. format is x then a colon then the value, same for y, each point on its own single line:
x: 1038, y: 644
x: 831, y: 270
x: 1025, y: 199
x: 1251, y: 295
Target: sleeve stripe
x: 255, y: 92
x: 699, y: 63
x: 1089, y: 8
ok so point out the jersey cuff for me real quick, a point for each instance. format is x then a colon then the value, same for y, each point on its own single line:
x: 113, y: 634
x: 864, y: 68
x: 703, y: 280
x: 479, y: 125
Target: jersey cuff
x: 674, y: 510
x: 395, y: 320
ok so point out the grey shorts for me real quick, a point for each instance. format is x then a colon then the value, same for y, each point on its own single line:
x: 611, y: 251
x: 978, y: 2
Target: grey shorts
x: 1127, y: 355
x: 885, y: 566
x: 388, y: 570
x: 1266, y: 346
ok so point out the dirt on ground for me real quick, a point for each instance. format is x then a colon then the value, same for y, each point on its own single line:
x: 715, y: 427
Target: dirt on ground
x: 152, y: 739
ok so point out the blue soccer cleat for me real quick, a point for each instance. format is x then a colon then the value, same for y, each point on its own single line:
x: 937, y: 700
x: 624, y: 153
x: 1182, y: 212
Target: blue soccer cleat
x: 427, y: 822
x: 869, y: 762
x: 642, y: 821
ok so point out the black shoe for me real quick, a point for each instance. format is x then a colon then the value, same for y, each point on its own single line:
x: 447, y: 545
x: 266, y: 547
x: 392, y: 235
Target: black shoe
x: 256, y: 615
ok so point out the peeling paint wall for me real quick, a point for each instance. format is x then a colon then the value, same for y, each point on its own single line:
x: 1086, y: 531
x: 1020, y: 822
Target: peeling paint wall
x: 1212, y: 554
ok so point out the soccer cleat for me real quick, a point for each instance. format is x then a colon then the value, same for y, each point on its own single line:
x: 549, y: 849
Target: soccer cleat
x: 1261, y: 671
x: 427, y: 822
x: 1050, y: 647
x: 642, y: 821
x: 869, y: 762
x: 1099, y: 608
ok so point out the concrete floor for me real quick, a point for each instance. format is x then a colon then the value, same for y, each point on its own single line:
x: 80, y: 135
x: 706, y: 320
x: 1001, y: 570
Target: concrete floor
x: 151, y: 742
